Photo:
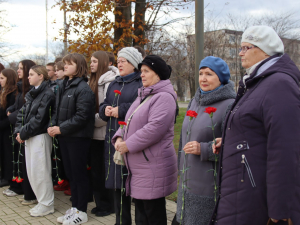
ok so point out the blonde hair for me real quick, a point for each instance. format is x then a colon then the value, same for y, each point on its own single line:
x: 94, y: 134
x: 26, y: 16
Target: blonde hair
x: 41, y: 70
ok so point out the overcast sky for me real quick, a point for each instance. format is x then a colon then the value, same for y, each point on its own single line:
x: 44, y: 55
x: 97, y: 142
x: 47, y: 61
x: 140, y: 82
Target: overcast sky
x: 28, y: 18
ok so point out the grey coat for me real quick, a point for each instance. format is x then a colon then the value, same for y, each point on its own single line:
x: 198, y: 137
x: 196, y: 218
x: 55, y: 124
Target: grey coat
x: 199, y: 195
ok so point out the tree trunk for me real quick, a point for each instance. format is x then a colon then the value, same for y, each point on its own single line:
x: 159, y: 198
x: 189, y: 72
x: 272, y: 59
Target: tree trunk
x: 123, y: 24
x: 139, y: 23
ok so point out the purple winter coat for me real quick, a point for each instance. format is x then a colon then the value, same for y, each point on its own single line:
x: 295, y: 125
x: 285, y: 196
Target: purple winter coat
x: 260, y: 155
x: 151, y: 160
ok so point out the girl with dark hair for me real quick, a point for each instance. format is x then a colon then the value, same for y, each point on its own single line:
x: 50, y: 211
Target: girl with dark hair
x: 101, y: 76
x: 8, y: 81
x: 23, y: 87
x: 1, y: 67
x: 31, y: 127
x: 73, y: 121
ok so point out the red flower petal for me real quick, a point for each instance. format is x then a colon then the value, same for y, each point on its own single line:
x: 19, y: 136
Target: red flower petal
x: 19, y: 180
x: 60, y: 181
x: 122, y: 123
x: 117, y: 92
x: 191, y: 113
x: 89, y: 168
x: 14, y: 178
x: 210, y: 110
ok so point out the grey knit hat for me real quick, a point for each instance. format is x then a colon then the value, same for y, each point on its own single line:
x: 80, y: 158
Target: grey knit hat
x: 132, y: 55
x: 265, y: 38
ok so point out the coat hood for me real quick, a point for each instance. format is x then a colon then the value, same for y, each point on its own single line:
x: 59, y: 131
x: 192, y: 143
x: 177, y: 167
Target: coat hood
x: 161, y: 86
x: 109, y: 76
x: 284, y: 65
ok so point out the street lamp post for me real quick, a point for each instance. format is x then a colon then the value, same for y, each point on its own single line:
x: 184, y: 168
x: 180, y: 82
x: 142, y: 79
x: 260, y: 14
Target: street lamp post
x: 199, y: 37
x: 46, y: 31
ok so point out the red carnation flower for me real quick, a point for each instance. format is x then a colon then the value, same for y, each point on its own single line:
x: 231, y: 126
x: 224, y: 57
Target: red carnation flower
x: 89, y: 168
x: 19, y: 180
x: 210, y: 110
x: 14, y: 178
x: 122, y: 123
x: 117, y: 92
x: 191, y: 113
x: 60, y: 181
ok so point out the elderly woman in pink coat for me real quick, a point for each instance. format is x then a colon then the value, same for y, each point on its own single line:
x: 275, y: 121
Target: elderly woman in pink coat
x: 147, y: 146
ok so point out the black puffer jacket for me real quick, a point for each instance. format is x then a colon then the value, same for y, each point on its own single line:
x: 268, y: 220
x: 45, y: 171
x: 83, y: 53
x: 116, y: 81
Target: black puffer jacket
x: 75, y: 108
x: 14, y: 109
x: 33, y: 118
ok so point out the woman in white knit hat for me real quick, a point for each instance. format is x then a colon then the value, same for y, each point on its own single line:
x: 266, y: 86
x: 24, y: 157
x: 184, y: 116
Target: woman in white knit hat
x: 119, y: 97
x: 260, y: 154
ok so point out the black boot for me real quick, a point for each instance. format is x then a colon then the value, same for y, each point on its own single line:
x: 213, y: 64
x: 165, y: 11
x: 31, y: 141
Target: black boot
x: 4, y: 183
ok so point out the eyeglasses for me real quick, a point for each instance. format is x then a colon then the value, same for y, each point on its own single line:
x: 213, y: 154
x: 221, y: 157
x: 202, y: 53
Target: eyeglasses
x: 122, y: 62
x: 244, y: 49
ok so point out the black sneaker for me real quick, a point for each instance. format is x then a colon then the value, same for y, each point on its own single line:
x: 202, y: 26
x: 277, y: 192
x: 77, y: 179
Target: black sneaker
x: 103, y: 213
x: 94, y: 210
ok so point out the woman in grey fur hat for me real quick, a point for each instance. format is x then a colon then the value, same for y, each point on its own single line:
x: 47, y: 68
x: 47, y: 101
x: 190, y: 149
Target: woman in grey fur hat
x: 199, y: 195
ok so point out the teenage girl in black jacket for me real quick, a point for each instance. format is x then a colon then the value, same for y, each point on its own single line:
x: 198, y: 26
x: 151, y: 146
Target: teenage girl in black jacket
x: 12, y: 112
x: 32, y: 123
x: 74, y: 124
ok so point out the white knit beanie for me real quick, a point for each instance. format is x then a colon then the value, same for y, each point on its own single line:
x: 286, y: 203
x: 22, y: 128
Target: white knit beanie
x: 265, y: 38
x: 132, y: 55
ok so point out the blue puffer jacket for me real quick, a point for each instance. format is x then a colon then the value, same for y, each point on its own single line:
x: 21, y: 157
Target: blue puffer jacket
x: 128, y: 86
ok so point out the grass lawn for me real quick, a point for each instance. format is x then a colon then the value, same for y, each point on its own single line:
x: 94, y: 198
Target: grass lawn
x: 177, y: 130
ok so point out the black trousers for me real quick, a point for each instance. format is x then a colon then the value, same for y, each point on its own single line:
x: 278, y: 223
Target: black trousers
x: 104, y: 198
x: 28, y: 192
x: 126, y: 206
x: 150, y: 212
x: 74, y: 154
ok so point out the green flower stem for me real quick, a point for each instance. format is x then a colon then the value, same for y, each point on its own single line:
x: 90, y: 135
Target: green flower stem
x: 122, y: 189
x: 216, y: 157
x: 54, y: 140
x: 13, y: 150
x: 19, y: 153
x: 109, y: 139
x: 183, y: 172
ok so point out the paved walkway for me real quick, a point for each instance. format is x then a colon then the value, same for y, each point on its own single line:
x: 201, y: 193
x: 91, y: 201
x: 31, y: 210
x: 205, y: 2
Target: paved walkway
x: 13, y: 212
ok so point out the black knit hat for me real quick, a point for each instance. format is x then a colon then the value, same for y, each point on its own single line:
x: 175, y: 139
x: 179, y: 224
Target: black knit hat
x: 158, y: 65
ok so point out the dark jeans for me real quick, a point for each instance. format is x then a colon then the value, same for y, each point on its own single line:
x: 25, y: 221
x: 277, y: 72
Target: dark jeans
x: 104, y: 198
x: 28, y: 192
x: 126, y: 206
x: 74, y: 152
x: 150, y: 212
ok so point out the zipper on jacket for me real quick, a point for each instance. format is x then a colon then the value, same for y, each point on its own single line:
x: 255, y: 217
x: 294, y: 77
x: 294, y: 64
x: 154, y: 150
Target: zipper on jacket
x: 243, y: 172
x: 244, y: 160
x: 145, y: 155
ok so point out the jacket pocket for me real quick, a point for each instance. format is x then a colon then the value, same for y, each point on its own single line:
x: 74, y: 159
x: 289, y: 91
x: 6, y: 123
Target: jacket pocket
x: 246, y: 166
x: 235, y: 148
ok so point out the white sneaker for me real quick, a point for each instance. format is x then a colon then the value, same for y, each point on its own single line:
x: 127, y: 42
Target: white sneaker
x: 29, y: 202
x: 34, y: 208
x: 68, y: 215
x: 4, y: 192
x: 10, y: 193
x: 43, y: 210
x: 21, y: 199
x: 78, y: 217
